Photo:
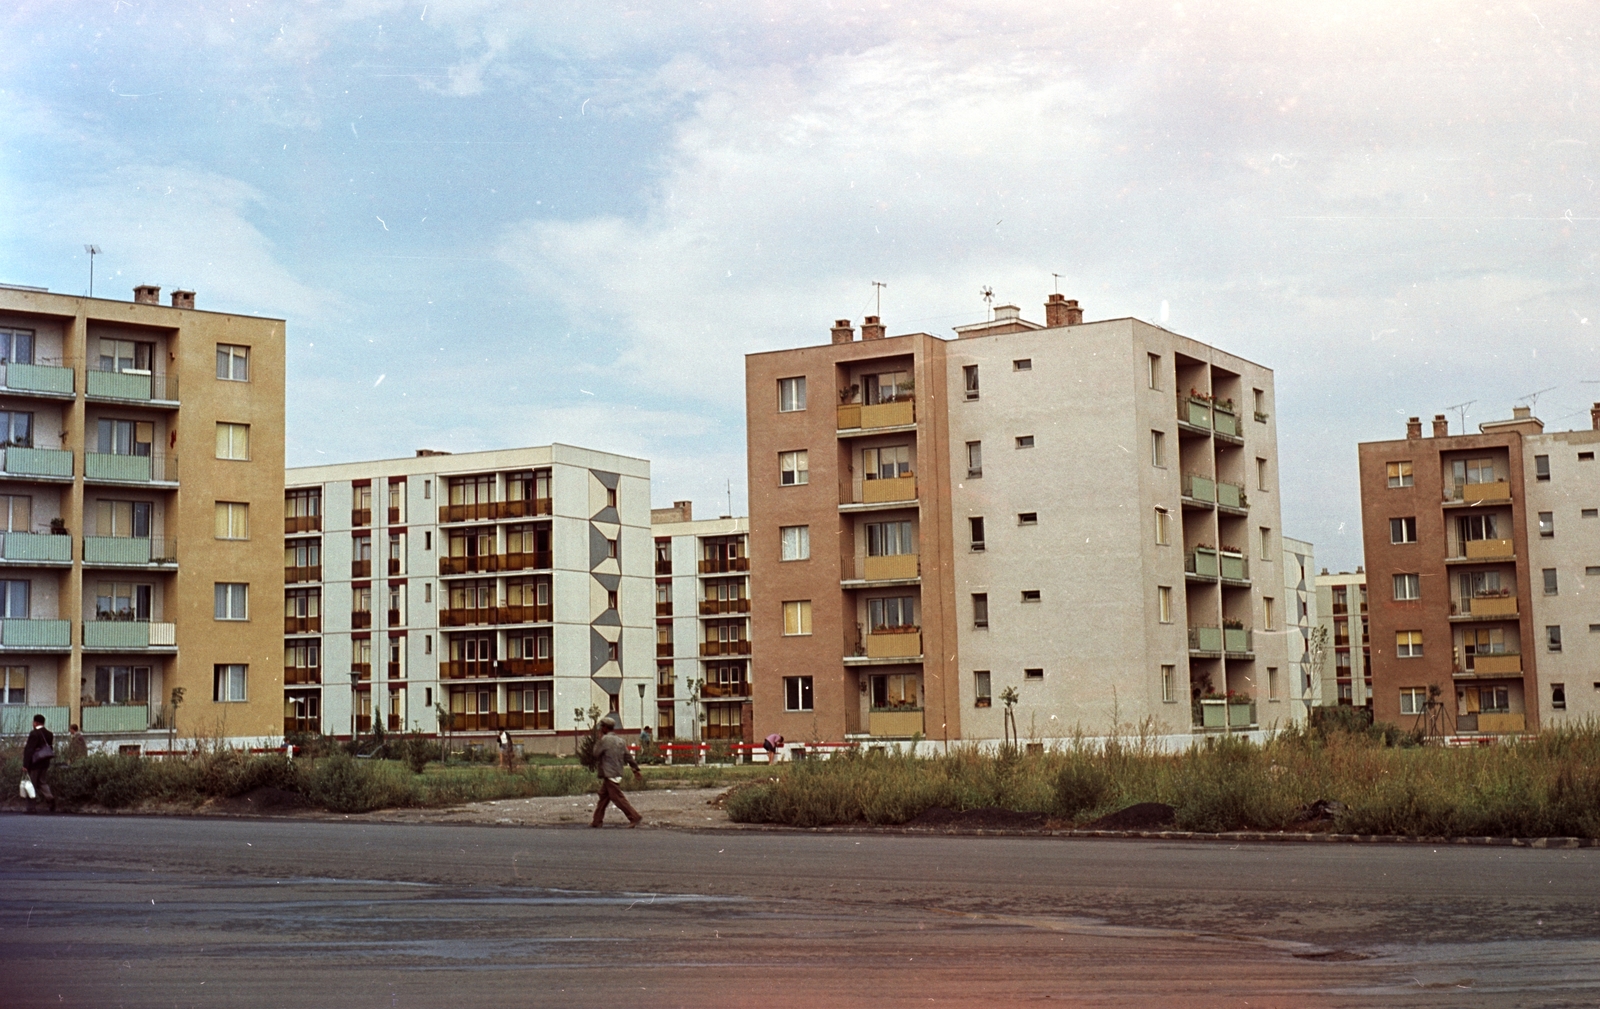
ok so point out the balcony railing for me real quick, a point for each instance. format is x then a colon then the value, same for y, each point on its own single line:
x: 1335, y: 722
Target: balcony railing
x: 302, y: 524
x: 665, y: 691
x: 494, y: 562
x: 526, y: 667
x: 1495, y: 606
x: 313, y: 573
x: 49, y: 380
x: 664, y: 609
x: 55, y: 463
x: 395, y: 564
x: 1473, y: 493
x: 900, y: 722
x: 1489, y: 549
x: 1232, y: 495
x: 116, y: 718
x: 475, y: 512
x: 130, y: 385
x: 1225, y: 422
x: 466, y: 670
x: 361, y: 516
x: 1193, y: 412
x: 129, y: 635
x: 396, y: 671
x: 127, y: 550
x: 725, y: 690
x: 663, y: 567
x: 895, y: 643
x: 360, y: 619
x: 1201, y: 562
x: 395, y: 619
x: 867, y: 416
x: 724, y: 565
x: 1205, y: 639
x: 1234, y: 567
x: 302, y: 674
x: 709, y: 648
x: 524, y: 508
x: 1218, y: 713
x: 525, y: 560
x: 37, y: 548
x: 663, y: 649
x: 361, y: 671
x: 713, y: 606
x: 891, y: 567
x: 1237, y: 641
x: 159, y: 468
x: 495, y: 720
x: 17, y: 719
x: 1199, y: 488
x: 361, y: 569
x: 1500, y: 664
x: 302, y: 625
x: 42, y: 634
x: 394, y: 516
x: 900, y: 488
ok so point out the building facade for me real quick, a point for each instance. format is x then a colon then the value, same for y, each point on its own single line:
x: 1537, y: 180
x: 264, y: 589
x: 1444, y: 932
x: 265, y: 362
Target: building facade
x: 1300, y: 624
x: 703, y: 649
x: 1084, y: 514
x: 133, y: 590
x: 1345, y: 672
x: 467, y: 594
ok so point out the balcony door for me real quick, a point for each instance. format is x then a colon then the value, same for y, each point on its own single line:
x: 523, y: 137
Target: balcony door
x: 124, y: 601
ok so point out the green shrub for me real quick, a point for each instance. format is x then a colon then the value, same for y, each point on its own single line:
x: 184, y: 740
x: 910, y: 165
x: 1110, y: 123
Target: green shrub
x: 346, y: 785
x: 1081, y: 786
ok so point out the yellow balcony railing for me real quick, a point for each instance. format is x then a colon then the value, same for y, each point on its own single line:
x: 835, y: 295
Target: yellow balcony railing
x: 1489, y: 548
x: 900, y: 488
x: 894, y: 646
x: 894, y: 566
x: 894, y: 723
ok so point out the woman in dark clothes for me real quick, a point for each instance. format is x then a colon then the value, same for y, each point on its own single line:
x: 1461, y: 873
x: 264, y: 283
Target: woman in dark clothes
x: 36, y: 756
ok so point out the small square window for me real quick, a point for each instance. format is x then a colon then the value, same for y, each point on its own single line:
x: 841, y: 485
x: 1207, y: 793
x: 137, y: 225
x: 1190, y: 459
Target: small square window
x: 1591, y: 570
x: 1025, y: 441
x: 1403, y: 530
x: 1407, y: 586
x: 1027, y: 518
x: 1033, y: 674
x: 1408, y: 644
x: 1022, y: 364
x: 1400, y: 474
x: 793, y: 468
x: 798, y: 694
x: 1030, y: 595
x: 233, y: 363
x: 794, y: 543
x: 1586, y: 457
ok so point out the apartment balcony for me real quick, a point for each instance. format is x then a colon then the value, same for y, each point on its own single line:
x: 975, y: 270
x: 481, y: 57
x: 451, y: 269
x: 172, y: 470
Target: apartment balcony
x: 1235, y: 568
x: 1205, y: 642
x: 665, y: 691
x: 1225, y: 424
x: 895, y: 643
x: 39, y: 380
x: 36, y: 549
x: 132, y: 386
x: 891, y: 567
x: 360, y: 517
x: 293, y: 675
x: 360, y: 672
x: 35, y: 635
x: 1200, y: 565
x: 855, y: 418
x: 1198, y: 492
x: 1501, y: 664
x: 302, y: 524
x: 1218, y: 714
x: 896, y: 722
x: 100, y: 467
x: 1471, y: 494
x: 488, y: 563
x: 900, y: 488
x: 17, y: 719
x: 1232, y: 499
x: 360, y: 620
x: 130, y: 552
x: 395, y: 670
x: 395, y: 619
x: 1194, y: 415
x: 712, y: 607
x: 394, y: 516
x: 129, y: 636
x: 713, y: 648
x: 524, y: 508
x: 524, y: 561
x: 493, y: 721
x: 116, y: 718
x: 523, y: 614
x: 466, y: 617
x: 1490, y: 550
x: 1238, y: 642
x: 526, y: 667
x: 477, y: 512
x: 313, y: 573
x: 1484, y: 608
x: 663, y: 567
x: 725, y: 565
x: 663, y: 649
x: 302, y: 625
x: 664, y: 609
x: 54, y: 464
x: 395, y: 565
x: 724, y: 691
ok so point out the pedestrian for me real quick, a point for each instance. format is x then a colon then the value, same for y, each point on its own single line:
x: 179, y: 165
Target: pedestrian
x: 772, y: 744
x: 77, y: 746
x: 37, y: 753
x: 610, y: 754
x: 506, y: 752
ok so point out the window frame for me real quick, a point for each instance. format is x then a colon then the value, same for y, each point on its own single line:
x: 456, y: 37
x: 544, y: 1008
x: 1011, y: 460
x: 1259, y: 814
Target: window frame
x: 224, y: 598
x: 794, y: 468
x: 801, y: 622
x: 1412, y: 583
x: 230, y: 514
x: 231, y: 363
x: 980, y: 609
x: 1412, y: 644
x: 801, y: 543
x: 792, y: 390
x: 1401, y: 474
x: 1407, y: 527
x: 223, y: 682
x: 233, y: 430
x: 969, y: 380
x: 974, y: 460
x: 799, y: 693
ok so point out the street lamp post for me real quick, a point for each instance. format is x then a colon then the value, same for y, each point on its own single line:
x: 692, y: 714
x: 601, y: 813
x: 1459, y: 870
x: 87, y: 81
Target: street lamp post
x: 355, y: 687
x: 641, y: 707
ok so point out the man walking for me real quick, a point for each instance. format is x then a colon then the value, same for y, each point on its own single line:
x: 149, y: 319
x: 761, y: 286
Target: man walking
x: 610, y: 754
x: 37, y: 753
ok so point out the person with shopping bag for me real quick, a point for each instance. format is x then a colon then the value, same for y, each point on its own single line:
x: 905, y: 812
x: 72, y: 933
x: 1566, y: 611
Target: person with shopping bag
x: 37, y: 753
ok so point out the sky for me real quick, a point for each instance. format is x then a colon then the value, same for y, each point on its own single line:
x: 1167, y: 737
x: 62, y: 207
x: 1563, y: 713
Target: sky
x: 493, y: 223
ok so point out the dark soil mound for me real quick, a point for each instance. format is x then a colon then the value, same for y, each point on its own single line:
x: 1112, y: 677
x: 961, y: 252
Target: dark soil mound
x: 1144, y: 816
x: 266, y: 799
x: 989, y: 817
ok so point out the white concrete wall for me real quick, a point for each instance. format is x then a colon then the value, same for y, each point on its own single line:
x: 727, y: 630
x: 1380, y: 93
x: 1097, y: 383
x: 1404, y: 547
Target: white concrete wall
x: 1573, y: 551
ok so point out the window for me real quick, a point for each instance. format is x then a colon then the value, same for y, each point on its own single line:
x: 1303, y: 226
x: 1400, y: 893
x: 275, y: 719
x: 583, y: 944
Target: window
x: 1408, y: 644
x: 1022, y: 364
x: 1269, y: 613
x: 1407, y: 587
x: 1164, y: 603
x: 975, y: 528
x: 981, y: 697
x: 1266, y: 544
x: 1274, y: 691
x: 13, y: 679
x: 611, y: 497
x: 611, y: 599
x: 974, y: 459
x: 427, y: 539
x: 1025, y: 441
x: 16, y: 347
x: 797, y: 617
x: 1030, y: 595
x: 891, y: 613
x: 1550, y: 586
x: 795, y: 542
x: 613, y: 651
x: 1496, y: 699
x: 969, y: 374
x: 886, y: 463
x: 16, y: 513
x: 233, y: 363
x: 232, y: 601
x: 233, y: 520
x: 1558, y: 696
x: 228, y: 682
x: 126, y: 355
x: 611, y: 549
x: 896, y: 691
x: 1261, y: 405
x: 1552, y: 637
x: 980, y: 609
x: 797, y: 692
x: 1591, y: 513
x: 1413, y: 700
x: 1169, y: 683
x: 122, y: 601
x: 123, y: 518
x: 1033, y: 674
x: 793, y: 468
x: 14, y: 599
x: 427, y: 489
x: 889, y: 539
x: 1158, y: 448
x: 888, y: 387
x: 1163, y: 527
x: 16, y: 428
x: 1153, y: 370
x: 122, y: 684
x: 1400, y: 474
x: 122, y: 437
x: 1547, y: 524
x: 1261, y: 474
x: 427, y: 592
x: 427, y: 644
x: 1591, y: 571
x: 1586, y: 457
x: 791, y: 394
x: 1403, y: 530
x: 1541, y: 467
x: 233, y: 440
x: 1027, y: 518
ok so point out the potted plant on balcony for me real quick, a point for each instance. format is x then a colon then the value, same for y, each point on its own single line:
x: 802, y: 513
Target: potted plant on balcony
x: 58, y: 527
x: 1233, y: 623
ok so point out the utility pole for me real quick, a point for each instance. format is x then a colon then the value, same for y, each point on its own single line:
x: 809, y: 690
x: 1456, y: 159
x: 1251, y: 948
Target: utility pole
x: 93, y: 251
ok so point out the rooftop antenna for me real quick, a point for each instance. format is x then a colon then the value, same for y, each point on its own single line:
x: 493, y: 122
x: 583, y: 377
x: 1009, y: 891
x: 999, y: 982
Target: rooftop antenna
x: 93, y: 251
x: 730, y: 499
x: 1058, y: 282
x: 988, y: 299
x: 1461, y: 414
x: 877, y: 291
x: 1533, y: 397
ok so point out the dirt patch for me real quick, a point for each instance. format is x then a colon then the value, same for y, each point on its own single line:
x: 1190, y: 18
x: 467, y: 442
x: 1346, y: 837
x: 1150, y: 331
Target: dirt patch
x: 988, y: 817
x: 1143, y: 816
x: 264, y: 800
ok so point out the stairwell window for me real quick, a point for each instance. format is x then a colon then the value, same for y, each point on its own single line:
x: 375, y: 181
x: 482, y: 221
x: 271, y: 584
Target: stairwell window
x: 969, y: 374
x: 974, y: 459
x: 1030, y: 595
x: 228, y: 682
x: 233, y: 520
x: 981, y: 697
x: 793, y: 468
x: 1547, y: 524
x: 1153, y: 373
x: 975, y: 528
x: 1407, y: 587
x: 1552, y: 637
x: 795, y: 543
x: 1551, y: 586
x: 1261, y: 475
x: 232, y: 601
x: 791, y: 394
x: 233, y: 363
x: 797, y: 617
x: 1403, y: 530
x: 980, y: 609
x: 1541, y: 467
x: 233, y: 441
x: 1158, y: 449
x: 1408, y: 644
x: 1400, y: 474
x: 1169, y: 684
x: 1164, y: 603
x: 1024, y: 441
x: 1022, y: 364
x: 1558, y: 696
x: 1163, y: 527
x: 1027, y: 518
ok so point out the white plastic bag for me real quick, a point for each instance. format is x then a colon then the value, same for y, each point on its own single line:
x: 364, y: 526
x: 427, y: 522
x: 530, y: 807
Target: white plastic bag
x: 26, y: 789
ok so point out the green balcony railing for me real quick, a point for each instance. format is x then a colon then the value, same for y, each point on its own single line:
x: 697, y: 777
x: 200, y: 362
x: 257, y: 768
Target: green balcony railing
x: 129, y: 550
x: 19, y: 461
x: 130, y: 468
x: 1235, y: 567
x: 37, y: 378
x: 1199, y: 488
x: 1225, y: 422
x: 1194, y: 412
x: 1236, y: 640
x: 132, y: 385
x: 17, y: 719
x: 1205, y: 639
x: 1231, y: 495
x: 36, y: 633
x: 128, y: 634
x: 35, y: 547
x: 116, y: 718
x: 1201, y: 561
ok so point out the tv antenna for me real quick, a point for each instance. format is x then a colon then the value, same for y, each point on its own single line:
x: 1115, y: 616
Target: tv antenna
x: 1461, y: 413
x: 877, y: 293
x: 93, y: 251
x: 988, y: 299
x: 1533, y: 397
x: 730, y: 499
x: 1058, y: 282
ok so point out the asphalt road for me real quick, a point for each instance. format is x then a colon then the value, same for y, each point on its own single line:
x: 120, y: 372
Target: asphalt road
x: 134, y: 911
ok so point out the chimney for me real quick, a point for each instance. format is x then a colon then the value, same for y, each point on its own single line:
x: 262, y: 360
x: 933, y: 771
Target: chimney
x: 1594, y: 416
x: 871, y: 328
x: 1414, y: 427
x: 1441, y: 427
x: 842, y: 331
x: 1074, y: 313
x: 1521, y: 412
x: 147, y: 294
x: 1055, y: 311
x: 182, y: 299
x: 685, y: 508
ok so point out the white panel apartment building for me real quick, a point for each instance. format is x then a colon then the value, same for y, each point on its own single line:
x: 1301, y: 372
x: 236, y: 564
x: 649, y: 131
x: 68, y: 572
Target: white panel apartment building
x: 703, y: 660
x: 1117, y: 541
x: 505, y: 589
